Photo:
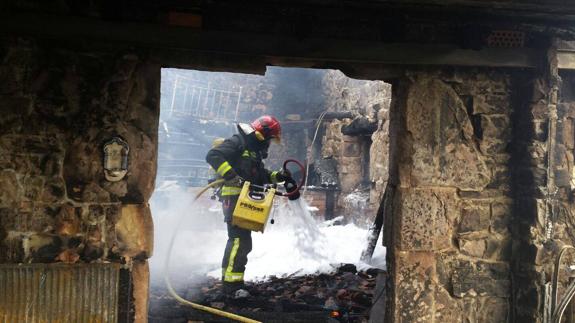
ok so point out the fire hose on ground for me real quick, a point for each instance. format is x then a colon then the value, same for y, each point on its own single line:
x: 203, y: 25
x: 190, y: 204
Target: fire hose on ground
x: 204, y: 308
x: 180, y: 299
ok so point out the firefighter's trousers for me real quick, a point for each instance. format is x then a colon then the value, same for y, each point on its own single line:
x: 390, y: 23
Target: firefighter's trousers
x: 237, y: 249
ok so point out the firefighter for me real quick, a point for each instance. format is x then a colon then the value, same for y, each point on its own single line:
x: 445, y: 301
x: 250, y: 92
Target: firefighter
x: 237, y: 159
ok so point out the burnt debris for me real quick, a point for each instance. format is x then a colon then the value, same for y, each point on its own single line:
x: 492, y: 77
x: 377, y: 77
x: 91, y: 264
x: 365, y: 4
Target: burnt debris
x: 345, y: 295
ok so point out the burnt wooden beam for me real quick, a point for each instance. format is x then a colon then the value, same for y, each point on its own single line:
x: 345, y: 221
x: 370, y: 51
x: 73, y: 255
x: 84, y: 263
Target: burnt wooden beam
x: 265, y: 48
x: 536, y: 7
x: 374, y: 231
x: 329, y: 205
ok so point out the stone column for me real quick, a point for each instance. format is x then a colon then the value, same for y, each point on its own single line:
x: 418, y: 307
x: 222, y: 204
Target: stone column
x: 542, y: 184
x: 447, y: 234
x: 529, y: 180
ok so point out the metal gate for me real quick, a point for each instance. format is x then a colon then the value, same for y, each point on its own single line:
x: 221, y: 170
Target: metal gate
x: 79, y: 293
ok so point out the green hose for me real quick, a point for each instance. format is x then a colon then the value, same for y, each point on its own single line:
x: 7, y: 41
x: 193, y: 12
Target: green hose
x: 182, y: 300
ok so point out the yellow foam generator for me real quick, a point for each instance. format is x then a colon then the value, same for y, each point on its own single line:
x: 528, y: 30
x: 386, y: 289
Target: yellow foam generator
x: 253, y: 208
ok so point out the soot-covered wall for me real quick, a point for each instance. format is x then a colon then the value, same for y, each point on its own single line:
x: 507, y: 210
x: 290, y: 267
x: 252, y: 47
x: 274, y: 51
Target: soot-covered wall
x: 59, y: 106
x: 473, y: 155
x: 449, y: 240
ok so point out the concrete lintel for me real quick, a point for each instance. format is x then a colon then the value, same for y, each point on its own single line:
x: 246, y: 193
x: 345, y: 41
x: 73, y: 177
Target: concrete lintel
x: 266, y: 46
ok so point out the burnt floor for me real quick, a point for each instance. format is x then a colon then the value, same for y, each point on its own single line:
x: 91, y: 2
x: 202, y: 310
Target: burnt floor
x: 309, y: 298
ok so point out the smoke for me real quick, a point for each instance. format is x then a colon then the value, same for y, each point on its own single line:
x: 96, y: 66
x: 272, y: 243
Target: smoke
x: 197, y: 107
x: 296, y: 244
x: 200, y: 232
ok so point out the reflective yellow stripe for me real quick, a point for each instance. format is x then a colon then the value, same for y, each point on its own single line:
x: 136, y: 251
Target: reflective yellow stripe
x: 248, y: 153
x: 229, y: 275
x: 224, y: 168
x: 233, y: 277
x: 231, y: 190
x: 273, y: 177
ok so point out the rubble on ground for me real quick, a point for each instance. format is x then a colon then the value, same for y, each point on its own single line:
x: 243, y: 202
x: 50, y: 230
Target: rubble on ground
x: 308, y: 298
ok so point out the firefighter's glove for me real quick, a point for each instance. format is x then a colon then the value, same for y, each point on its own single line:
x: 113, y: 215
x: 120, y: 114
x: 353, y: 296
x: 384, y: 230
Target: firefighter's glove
x: 291, y: 186
x: 283, y: 175
x: 232, y: 179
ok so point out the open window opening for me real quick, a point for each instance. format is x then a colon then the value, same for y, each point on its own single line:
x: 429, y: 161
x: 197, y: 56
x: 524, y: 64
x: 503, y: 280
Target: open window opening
x: 307, y: 264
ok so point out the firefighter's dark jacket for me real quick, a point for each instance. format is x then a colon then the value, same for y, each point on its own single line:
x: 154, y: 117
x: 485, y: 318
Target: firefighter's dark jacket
x: 243, y: 154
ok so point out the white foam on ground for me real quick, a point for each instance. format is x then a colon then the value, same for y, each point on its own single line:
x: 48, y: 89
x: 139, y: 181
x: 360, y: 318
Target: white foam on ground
x: 295, y: 244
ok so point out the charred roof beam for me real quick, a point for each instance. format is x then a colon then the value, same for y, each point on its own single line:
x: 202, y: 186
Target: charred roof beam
x: 271, y: 49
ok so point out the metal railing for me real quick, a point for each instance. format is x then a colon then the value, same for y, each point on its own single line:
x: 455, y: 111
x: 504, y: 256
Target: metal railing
x: 186, y: 171
x: 204, y: 100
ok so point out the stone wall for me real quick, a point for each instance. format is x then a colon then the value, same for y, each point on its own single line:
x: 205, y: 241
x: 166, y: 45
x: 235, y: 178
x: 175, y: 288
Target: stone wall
x: 59, y: 106
x: 482, y: 165
x: 564, y: 174
x: 530, y: 180
x: 542, y: 184
x: 547, y: 217
x: 362, y: 158
x: 449, y: 242
x: 480, y: 157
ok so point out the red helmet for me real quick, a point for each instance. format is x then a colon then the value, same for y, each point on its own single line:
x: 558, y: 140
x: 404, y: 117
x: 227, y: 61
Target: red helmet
x: 266, y: 128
